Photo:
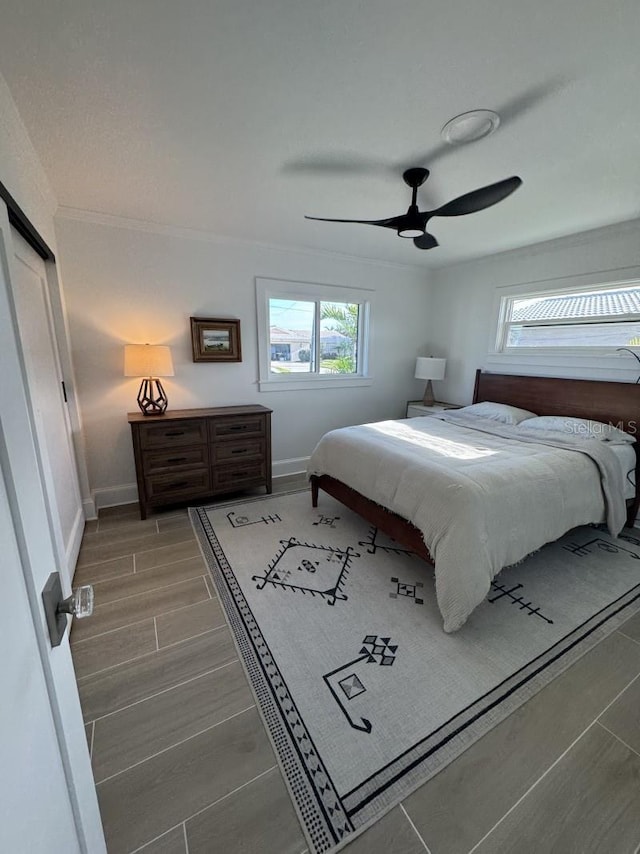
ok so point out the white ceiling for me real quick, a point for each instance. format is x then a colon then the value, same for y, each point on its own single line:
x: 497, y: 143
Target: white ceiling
x: 229, y: 116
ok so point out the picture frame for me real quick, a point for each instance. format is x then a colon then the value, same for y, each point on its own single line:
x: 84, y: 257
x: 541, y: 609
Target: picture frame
x: 215, y: 340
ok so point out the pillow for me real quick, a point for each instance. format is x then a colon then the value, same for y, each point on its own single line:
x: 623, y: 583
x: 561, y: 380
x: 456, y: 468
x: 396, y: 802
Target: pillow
x: 497, y: 412
x: 584, y: 428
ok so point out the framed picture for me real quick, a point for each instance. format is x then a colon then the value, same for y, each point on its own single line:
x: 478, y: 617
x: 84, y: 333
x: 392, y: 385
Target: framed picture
x: 215, y: 340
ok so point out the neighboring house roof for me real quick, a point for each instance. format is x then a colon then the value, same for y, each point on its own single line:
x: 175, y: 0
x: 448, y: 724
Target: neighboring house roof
x: 279, y: 335
x: 583, y: 305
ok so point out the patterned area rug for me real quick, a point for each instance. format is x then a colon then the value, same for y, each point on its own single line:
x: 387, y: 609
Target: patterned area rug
x: 363, y: 694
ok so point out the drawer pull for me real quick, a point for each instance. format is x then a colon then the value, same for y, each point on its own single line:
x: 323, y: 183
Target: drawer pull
x: 237, y: 427
x: 240, y: 451
x: 177, y: 460
x: 179, y: 485
x: 174, y: 433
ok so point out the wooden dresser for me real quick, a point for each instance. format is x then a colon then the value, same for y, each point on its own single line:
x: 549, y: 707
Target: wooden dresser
x: 189, y: 454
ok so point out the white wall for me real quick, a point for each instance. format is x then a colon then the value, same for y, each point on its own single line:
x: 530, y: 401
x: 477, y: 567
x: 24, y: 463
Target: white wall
x: 462, y: 316
x: 134, y: 285
x: 21, y: 171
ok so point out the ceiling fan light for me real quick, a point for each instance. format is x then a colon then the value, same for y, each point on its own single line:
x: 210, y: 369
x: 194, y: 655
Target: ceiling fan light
x: 412, y: 223
x: 410, y: 232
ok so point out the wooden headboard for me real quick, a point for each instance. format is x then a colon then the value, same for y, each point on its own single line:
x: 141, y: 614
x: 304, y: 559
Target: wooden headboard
x: 613, y: 403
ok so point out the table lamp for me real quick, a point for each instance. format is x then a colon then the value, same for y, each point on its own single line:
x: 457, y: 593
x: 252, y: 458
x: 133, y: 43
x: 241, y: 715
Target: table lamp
x: 428, y: 368
x: 149, y: 361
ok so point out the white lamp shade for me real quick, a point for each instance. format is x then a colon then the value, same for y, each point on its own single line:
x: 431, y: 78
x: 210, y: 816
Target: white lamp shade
x: 428, y: 368
x: 147, y: 360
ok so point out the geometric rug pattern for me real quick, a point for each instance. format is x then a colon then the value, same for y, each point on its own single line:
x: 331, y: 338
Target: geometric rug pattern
x: 362, y: 693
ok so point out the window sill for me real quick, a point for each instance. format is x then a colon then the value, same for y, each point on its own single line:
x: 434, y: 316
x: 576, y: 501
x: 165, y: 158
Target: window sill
x: 307, y: 384
x: 563, y: 356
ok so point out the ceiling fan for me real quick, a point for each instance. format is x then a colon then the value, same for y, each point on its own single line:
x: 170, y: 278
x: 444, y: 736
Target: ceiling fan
x: 414, y: 222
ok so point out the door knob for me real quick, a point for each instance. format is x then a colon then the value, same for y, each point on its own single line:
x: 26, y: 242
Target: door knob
x: 79, y: 604
x: 56, y: 607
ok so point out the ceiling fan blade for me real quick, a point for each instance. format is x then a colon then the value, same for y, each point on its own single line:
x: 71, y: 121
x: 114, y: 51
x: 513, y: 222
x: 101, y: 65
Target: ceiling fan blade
x: 478, y: 200
x: 426, y: 241
x: 393, y: 222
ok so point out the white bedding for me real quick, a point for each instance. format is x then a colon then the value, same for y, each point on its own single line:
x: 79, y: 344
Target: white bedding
x: 626, y: 456
x: 482, y: 498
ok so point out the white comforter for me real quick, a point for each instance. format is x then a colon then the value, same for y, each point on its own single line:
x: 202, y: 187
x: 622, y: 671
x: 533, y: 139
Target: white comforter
x: 482, y: 498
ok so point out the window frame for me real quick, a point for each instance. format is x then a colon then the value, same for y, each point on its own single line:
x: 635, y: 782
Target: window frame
x: 267, y: 289
x: 505, y: 297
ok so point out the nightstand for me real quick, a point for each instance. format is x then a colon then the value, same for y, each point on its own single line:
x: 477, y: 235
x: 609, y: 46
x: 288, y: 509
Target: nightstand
x: 416, y: 409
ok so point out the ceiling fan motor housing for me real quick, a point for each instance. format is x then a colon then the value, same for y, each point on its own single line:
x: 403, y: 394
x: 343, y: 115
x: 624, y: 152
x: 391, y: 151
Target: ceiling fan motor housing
x: 415, y: 177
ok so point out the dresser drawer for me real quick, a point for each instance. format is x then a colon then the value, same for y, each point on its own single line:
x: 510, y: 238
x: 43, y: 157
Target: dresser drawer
x: 173, y: 435
x: 190, y: 454
x: 234, y: 427
x: 176, y: 459
x: 240, y: 449
x: 231, y: 477
x: 177, y: 486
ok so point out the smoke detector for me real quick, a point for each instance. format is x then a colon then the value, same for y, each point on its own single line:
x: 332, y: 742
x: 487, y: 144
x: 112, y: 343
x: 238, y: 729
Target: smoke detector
x: 470, y: 127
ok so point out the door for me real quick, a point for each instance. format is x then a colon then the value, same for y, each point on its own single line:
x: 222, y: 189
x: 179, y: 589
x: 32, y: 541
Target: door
x: 45, y: 390
x: 35, y: 808
x: 47, y: 793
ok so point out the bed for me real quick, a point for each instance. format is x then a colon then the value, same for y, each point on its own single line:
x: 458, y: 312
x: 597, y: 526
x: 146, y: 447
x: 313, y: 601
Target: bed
x: 504, y: 524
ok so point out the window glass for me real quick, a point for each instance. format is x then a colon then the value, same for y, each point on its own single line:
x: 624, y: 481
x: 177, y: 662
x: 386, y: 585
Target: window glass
x: 603, y: 317
x: 586, y: 335
x: 291, y: 336
x: 312, y: 335
x: 339, y: 323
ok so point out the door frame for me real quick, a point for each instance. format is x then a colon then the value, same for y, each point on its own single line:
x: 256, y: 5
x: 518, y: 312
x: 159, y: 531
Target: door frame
x: 28, y: 507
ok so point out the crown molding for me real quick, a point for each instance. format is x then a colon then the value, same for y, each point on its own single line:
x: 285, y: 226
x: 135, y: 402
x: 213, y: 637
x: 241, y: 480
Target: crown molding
x: 150, y: 227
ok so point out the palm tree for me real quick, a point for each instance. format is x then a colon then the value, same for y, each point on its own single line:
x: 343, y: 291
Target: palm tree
x: 345, y: 321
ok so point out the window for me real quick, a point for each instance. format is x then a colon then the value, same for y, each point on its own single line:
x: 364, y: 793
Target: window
x: 311, y: 335
x: 604, y: 318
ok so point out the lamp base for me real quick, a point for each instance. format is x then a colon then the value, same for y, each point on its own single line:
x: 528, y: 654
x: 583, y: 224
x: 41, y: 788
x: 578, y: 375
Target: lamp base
x: 428, y: 399
x: 151, y: 398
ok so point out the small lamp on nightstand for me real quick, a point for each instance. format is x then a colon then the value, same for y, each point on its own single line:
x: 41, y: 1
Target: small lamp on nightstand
x: 428, y: 368
x: 149, y: 361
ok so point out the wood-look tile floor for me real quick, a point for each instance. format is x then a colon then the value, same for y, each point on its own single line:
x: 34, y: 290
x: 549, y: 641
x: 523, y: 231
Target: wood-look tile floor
x: 183, y: 765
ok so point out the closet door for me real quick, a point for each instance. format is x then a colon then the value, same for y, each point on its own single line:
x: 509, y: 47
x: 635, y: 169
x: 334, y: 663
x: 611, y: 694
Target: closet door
x: 46, y: 395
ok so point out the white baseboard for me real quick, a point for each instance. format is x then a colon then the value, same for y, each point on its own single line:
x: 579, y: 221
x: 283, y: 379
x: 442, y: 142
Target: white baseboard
x: 127, y: 493
x: 112, y: 496
x: 89, y: 509
x: 286, y: 468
